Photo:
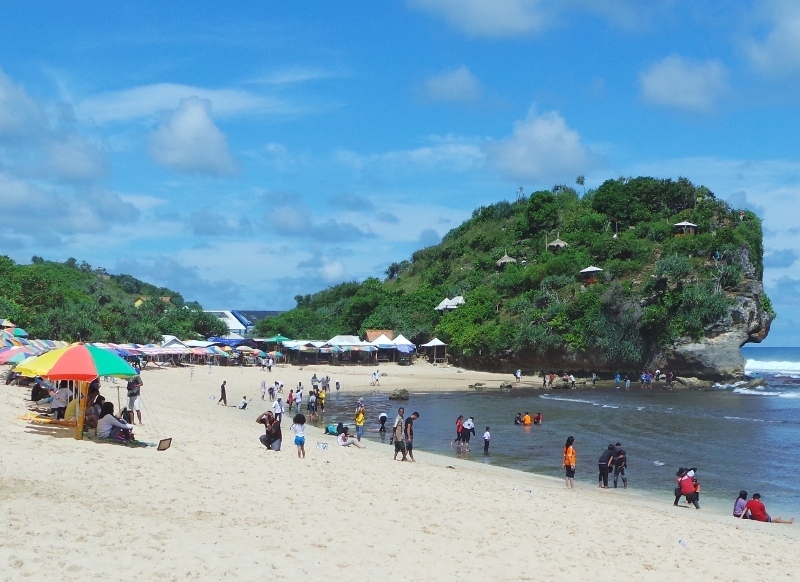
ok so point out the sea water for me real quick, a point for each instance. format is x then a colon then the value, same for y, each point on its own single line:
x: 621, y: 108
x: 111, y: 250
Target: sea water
x: 738, y: 438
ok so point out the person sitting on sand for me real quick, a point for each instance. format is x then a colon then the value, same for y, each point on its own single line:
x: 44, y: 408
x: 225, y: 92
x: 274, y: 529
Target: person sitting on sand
x: 758, y: 511
x: 738, y: 505
x: 243, y: 403
x: 537, y: 418
x: 110, y: 427
x: 526, y: 420
x: 344, y: 440
x: 518, y: 418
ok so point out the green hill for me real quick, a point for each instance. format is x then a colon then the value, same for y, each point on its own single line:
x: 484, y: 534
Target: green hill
x: 660, y: 289
x: 71, y: 301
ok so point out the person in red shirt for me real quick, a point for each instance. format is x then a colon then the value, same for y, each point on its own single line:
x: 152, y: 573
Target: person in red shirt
x: 758, y: 511
x: 685, y: 487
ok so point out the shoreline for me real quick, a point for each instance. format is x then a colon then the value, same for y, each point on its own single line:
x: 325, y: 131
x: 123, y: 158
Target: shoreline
x: 218, y: 504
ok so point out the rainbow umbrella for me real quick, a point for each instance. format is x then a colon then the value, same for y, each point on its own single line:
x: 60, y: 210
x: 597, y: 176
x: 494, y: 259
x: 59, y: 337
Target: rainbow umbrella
x: 79, y: 362
x: 15, y: 355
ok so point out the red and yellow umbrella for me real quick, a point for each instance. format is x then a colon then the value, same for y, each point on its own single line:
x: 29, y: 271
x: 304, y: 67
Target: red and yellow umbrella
x: 78, y: 362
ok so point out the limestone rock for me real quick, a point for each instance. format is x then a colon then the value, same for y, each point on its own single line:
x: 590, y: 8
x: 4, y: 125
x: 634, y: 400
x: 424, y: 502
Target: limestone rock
x: 399, y: 394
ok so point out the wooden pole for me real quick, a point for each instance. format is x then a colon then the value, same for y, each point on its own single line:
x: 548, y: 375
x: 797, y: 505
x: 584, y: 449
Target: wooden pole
x: 83, y: 395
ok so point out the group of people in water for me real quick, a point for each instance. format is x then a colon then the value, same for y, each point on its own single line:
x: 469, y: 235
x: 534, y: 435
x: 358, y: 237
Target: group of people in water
x: 527, y: 420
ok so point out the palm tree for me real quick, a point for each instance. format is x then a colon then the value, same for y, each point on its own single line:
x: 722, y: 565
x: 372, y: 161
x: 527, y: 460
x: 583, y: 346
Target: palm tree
x: 580, y: 181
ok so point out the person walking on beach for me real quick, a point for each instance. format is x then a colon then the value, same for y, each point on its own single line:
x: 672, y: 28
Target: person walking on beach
x: 617, y: 380
x: 298, y: 396
x: 594, y: 380
x: 758, y: 511
x: 263, y: 389
x: 299, y: 429
x: 518, y: 376
x: 270, y: 363
x: 604, y: 464
x: 570, y: 459
x: 222, y: 396
x: 408, y: 431
x: 397, y: 434
x: 487, y: 436
x: 290, y: 399
x: 277, y: 408
x: 620, y: 464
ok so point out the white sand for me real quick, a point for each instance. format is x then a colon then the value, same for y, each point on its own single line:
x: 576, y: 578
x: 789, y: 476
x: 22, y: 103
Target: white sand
x: 218, y: 505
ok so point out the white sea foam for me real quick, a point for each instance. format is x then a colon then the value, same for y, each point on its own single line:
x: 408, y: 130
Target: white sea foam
x: 773, y: 367
x: 727, y: 386
x: 793, y: 394
x: 755, y: 392
x: 549, y: 397
x: 742, y: 418
x: 609, y: 406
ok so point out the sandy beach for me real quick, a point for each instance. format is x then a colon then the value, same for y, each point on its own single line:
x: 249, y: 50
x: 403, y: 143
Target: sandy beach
x: 217, y: 505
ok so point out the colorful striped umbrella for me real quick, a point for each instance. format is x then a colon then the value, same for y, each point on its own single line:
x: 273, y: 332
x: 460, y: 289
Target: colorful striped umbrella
x: 15, y: 355
x: 77, y: 362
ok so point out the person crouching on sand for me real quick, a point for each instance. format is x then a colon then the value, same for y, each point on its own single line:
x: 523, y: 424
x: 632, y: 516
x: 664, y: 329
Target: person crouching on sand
x: 570, y: 458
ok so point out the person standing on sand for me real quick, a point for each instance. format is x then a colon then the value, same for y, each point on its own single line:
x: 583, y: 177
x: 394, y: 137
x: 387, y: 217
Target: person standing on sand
x: 604, y: 464
x: 397, y: 434
x: 617, y: 380
x: 222, y: 396
x: 263, y: 389
x: 518, y: 376
x: 620, y: 464
x: 408, y: 431
x: 134, y: 398
x: 299, y: 429
x: 594, y: 380
x: 570, y: 460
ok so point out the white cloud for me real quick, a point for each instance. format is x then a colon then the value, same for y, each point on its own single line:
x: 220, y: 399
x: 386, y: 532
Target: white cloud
x: 683, y: 83
x: 20, y: 116
x: 449, y: 153
x: 293, y: 75
x: 189, y: 142
x: 143, y: 202
x: 150, y: 100
x: 455, y: 85
x: 488, y: 18
x: 778, y: 53
x: 542, y: 147
x: 75, y: 159
x: 504, y: 18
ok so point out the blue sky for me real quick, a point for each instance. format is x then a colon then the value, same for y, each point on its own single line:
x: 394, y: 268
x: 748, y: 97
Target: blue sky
x: 245, y: 153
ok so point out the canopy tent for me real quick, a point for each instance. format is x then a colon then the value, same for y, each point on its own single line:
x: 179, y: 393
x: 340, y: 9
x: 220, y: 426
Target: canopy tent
x: 345, y: 340
x: 557, y: 244
x: 450, y: 304
x: 401, y: 340
x: 277, y: 339
x: 232, y: 342
x: 170, y: 341
x: 505, y: 260
x: 434, y: 345
x: 589, y: 273
x: 197, y: 344
x: 688, y: 227
x: 383, y: 342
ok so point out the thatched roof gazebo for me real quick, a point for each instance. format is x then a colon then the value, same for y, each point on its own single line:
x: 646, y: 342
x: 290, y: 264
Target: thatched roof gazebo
x: 688, y: 227
x: 505, y: 260
x: 557, y: 244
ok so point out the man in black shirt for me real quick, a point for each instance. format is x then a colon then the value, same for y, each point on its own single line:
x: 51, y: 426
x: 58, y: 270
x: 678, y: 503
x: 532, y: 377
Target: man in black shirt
x: 604, y: 464
x: 409, y: 432
x: 620, y: 464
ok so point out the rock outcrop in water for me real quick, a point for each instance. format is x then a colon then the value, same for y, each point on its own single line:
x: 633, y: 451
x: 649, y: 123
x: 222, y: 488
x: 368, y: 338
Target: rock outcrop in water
x: 717, y: 355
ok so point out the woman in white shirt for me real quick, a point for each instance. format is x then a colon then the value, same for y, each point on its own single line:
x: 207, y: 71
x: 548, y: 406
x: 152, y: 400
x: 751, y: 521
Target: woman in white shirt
x: 109, y: 427
x: 345, y: 440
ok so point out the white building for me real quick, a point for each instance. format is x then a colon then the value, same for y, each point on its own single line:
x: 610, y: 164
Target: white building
x: 234, y: 325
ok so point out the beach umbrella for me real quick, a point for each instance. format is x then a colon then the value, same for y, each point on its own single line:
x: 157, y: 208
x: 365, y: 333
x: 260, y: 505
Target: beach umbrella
x: 79, y: 362
x: 19, y: 332
x: 6, y: 323
x: 15, y: 355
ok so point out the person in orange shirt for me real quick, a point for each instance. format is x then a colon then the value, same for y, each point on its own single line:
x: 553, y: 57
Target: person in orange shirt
x: 570, y: 457
x: 526, y: 420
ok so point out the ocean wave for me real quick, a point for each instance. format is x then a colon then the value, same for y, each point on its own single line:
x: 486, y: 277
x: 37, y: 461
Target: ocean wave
x: 726, y: 386
x: 789, y: 395
x: 743, y: 418
x: 609, y: 406
x: 549, y: 397
x: 755, y: 392
x: 773, y: 367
